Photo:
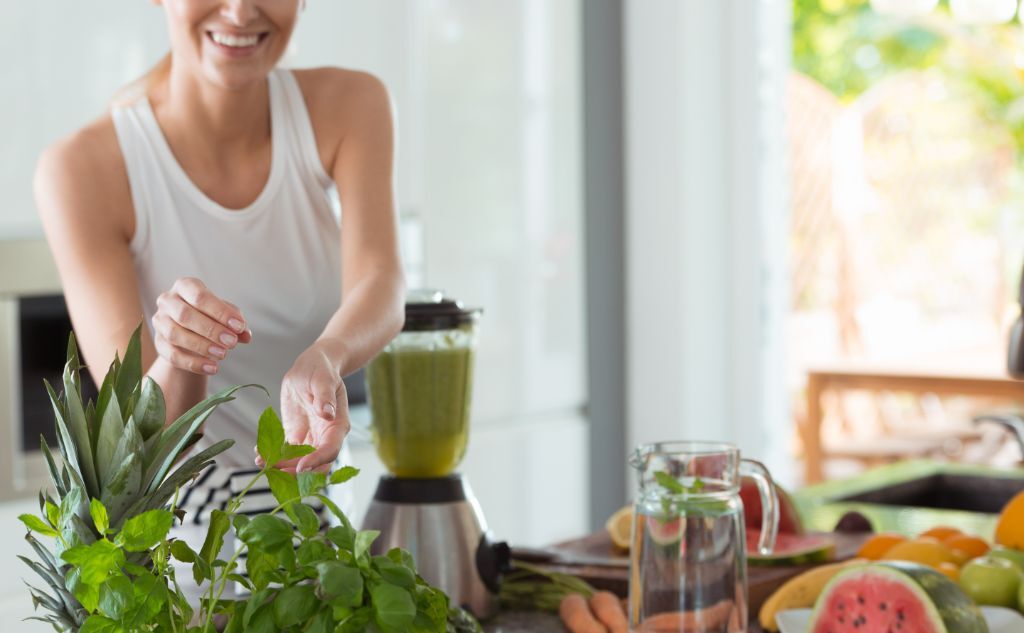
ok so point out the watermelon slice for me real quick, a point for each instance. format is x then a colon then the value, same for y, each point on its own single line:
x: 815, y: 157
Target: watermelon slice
x: 789, y: 518
x: 895, y: 597
x: 792, y: 549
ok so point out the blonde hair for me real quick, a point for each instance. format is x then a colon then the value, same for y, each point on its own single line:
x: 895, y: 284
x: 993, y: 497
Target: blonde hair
x: 137, y: 88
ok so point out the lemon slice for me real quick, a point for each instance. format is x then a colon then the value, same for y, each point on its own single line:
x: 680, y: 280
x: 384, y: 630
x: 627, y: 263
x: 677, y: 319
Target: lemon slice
x: 620, y: 526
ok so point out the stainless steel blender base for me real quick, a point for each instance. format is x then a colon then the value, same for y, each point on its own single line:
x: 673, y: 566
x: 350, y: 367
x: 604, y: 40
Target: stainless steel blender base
x: 447, y: 539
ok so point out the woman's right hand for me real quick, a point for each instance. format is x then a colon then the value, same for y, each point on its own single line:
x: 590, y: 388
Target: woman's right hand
x: 194, y: 330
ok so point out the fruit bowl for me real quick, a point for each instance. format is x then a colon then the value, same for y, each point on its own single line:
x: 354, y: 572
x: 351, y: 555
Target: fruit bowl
x: 999, y: 620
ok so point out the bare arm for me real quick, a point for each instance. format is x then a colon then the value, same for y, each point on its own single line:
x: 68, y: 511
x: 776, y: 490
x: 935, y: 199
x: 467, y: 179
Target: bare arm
x: 314, y: 401
x: 82, y: 194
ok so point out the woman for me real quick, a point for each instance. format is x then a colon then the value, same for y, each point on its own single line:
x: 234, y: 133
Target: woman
x: 202, y: 208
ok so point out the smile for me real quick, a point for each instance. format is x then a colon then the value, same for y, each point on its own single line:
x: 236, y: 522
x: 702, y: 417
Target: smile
x: 229, y: 40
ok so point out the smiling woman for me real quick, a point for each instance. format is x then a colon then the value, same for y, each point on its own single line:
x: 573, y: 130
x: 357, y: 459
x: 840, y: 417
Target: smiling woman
x: 203, y: 205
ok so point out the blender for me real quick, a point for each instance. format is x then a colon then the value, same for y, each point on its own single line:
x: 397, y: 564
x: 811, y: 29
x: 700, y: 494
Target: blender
x: 419, y: 390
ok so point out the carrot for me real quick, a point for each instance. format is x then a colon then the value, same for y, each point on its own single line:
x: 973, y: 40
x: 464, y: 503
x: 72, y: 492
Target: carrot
x: 608, y: 609
x: 577, y: 617
x: 710, y: 618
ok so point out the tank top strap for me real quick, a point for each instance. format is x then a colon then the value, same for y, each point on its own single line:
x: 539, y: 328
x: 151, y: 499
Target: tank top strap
x: 301, y: 143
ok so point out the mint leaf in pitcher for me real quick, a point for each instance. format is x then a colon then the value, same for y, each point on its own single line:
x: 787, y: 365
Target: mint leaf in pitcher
x: 669, y: 482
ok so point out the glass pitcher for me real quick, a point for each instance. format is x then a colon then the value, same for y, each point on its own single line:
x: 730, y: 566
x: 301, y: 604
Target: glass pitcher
x: 688, y: 564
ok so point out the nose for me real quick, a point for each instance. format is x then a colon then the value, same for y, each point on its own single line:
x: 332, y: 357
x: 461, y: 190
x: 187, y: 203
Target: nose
x: 239, y: 12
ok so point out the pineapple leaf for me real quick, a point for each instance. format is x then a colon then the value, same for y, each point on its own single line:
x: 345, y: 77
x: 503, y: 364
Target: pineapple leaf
x: 150, y: 412
x: 189, y: 469
x: 175, y: 437
x: 129, y: 443
x: 103, y: 399
x: 130, y: 372
x: 112, y: 430
x: 51, y: 465
x: 64, y: 438
x: 76, y: 425
x: 123, y: 489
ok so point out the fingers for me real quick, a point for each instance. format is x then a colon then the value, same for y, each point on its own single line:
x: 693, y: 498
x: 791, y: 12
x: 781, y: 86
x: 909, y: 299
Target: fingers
x: 328, y: 445
x: 194, y: 329
x: 324, y: 393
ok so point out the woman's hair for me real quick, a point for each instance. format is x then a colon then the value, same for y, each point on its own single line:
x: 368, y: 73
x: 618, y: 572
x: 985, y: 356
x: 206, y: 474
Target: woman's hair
x: 137, y: 88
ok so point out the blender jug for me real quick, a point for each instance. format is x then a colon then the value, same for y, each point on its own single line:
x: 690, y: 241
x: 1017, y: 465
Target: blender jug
x: 688, y: 565
x: 419, y: 388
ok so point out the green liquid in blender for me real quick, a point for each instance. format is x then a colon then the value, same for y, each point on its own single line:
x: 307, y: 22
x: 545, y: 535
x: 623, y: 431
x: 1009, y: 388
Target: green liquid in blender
x: 419, y: 400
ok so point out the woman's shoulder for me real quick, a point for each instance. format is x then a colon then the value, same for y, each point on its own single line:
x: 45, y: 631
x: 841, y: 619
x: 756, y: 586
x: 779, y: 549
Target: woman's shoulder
x: 85, y: 170
x: 339, y: 86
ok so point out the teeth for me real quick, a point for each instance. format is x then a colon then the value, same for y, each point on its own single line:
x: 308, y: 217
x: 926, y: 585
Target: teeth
x: 234, y: 41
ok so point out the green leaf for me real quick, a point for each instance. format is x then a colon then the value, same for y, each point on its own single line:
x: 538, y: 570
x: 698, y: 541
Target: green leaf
x: 333, y: 507
x: 71, y: 504
x: 150, y: 411
x: 150, y: 594
x: 97, y: 561
x: 143, y: 532
x: 270, y: 437
x: 181, y: 551
x: 393, y: 607
x: 283, y: 485
x: 262, y: 621
x: 402, y: 557
x: 261, y: 567
x: 220, y: 523
x: 341, y: 584
x: 433, y: 604
x: 669, y: 482
x: 343, y: 537
x: 99, y: 516
x: 311, y: 482
x: 116, y: 597
x: 313, y: 551
x: 364, y: 539
x: 52, y: 514
x: 294, y: 605
x: 123, y: 489
x: 51, y: 466
x: 266, y: 531
x: 110, y: 434
x: 356, y: 622
x: 394, y: 573
x: 88, y: 594
x: 36, y: 524
x: 322, y: 623
x: 100, y: 624
x: 342, y: 475
x: 291, y: 451
x: 304, y: 517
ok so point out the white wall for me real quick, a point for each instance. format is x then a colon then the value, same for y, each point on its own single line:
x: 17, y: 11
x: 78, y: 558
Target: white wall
x: 706, y: 223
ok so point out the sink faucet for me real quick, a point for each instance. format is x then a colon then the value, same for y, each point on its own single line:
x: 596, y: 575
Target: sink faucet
x: 1015, y: 424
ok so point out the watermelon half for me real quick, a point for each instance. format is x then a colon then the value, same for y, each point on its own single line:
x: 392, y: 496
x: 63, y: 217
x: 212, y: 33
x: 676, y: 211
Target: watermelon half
x: 895, y: 597
x: 792, y: 549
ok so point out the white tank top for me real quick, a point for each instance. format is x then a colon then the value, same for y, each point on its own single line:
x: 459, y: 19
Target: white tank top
x: 277, y: 259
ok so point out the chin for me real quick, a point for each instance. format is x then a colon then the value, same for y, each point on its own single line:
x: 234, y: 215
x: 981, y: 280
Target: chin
x: 236, y: 78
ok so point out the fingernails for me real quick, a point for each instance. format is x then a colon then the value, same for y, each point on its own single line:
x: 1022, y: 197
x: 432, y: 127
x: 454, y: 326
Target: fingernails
x: 329, y: 410
x: 228, y: 339
x: 236, y: 325
x: 210, y: 368
x: 219, y: 352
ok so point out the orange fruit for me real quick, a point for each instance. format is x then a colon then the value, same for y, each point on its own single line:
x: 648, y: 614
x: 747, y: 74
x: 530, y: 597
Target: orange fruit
x: 925, y: 550
x: 876, y: 546
x: 620, y: 526
x: 941, y: 532
x: 950, y: 570
x: 1010, y: 529
x: 970, y: 546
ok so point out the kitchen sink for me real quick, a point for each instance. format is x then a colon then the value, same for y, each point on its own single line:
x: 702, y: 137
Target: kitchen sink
x: 945, y: 491
x: 910, y: 497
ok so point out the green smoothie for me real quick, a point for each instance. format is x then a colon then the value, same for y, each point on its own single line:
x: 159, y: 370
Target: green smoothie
x: 419, y: 401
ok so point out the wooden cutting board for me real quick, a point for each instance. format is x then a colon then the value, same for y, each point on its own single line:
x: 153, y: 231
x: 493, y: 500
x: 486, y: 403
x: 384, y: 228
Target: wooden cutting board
x: 594, y: 559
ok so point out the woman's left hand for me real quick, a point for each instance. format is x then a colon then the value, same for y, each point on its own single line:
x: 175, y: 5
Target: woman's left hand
x: 314, y: 407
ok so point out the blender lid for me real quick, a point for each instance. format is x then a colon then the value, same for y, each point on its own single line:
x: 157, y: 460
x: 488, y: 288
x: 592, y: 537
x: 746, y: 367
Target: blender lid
x: 429, y: 310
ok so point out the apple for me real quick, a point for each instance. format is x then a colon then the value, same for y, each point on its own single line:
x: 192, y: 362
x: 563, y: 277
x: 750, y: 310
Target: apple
x: 1015, y: 556
x: 992, y: 581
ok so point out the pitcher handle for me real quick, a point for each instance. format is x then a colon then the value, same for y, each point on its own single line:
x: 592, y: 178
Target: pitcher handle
x: 769, y: 504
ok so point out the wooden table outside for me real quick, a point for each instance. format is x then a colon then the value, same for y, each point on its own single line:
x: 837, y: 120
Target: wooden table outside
x: 822, y: 380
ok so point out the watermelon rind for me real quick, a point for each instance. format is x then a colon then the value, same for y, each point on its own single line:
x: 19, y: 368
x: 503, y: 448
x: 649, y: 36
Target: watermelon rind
x: 813, y: 549
x: 948, y: 608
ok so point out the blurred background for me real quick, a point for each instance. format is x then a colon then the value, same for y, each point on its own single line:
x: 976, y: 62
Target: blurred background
x: 794, y: 225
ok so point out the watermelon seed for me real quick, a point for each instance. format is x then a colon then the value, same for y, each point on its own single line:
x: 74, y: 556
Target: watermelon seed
x: 883, y: 606
x: 860, y: 599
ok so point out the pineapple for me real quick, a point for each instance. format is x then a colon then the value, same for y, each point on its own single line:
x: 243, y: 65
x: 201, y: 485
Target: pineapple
x: 119, y: 451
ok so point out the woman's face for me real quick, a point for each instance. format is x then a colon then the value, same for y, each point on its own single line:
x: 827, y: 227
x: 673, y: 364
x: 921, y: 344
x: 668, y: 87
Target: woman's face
x: 230, y: 42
